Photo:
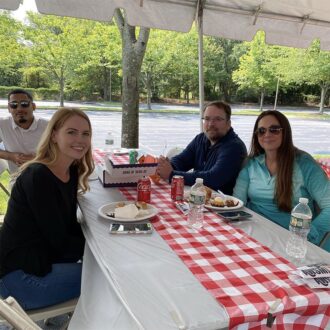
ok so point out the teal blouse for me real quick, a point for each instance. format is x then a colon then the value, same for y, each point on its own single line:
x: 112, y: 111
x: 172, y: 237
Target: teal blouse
x: 255, y: 187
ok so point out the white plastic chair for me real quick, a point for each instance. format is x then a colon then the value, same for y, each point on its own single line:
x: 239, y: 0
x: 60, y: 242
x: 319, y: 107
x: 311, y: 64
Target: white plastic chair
x: 12, y: 313
x: 36, y: 315
x: 3, y: 168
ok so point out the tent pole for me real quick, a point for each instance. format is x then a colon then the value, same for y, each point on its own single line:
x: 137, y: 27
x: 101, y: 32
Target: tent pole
x: 200, y: 60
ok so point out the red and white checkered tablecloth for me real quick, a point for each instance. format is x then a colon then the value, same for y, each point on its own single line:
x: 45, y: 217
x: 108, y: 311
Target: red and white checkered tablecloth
x: 243, y: 275
x: 326, y: 169
x: 98, y: 156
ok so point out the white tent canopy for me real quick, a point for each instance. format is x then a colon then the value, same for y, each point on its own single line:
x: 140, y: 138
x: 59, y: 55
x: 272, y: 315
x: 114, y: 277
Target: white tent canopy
x: 286, y: 22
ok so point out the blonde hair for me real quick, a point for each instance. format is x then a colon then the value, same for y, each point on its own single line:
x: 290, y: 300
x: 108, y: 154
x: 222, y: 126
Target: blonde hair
x: 47, y: 151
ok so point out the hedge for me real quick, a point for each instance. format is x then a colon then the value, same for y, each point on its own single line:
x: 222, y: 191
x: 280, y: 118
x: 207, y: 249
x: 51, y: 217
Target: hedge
x: 37, y: 93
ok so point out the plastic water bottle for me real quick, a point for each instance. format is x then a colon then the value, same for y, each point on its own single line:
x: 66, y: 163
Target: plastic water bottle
x: 109, y: 142
x: 196, y: 204
x: 301, y: 217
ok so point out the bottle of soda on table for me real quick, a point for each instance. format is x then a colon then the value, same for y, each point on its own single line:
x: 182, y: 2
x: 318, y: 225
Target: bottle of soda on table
x: 196, y: 204
x: 301, y: 217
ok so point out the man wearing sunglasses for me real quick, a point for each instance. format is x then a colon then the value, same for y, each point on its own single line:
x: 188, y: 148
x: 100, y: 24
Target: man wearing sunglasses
x: 20, y: 133
x: 216, y: 155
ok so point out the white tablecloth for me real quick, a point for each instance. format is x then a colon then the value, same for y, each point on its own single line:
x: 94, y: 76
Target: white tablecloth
x: 137, y: 282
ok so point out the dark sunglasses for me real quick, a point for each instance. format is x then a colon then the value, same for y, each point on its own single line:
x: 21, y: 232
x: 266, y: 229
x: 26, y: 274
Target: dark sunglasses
x: 24, y: 104
x: 275, y: 130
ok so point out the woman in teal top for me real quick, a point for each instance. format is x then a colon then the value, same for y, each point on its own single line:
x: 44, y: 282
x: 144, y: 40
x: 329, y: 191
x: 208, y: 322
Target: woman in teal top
x: 277, y: 174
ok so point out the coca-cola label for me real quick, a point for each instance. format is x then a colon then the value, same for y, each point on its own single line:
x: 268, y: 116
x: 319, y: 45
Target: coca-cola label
x: 144, y: 190
x: 143, y: 186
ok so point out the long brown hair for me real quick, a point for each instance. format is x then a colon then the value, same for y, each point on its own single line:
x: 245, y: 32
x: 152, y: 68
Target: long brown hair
x: 47, y: 151
x: 286, y: 154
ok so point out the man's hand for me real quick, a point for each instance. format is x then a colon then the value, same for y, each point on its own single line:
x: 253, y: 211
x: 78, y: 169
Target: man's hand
x: 19, y: 158
x: 164, y: 168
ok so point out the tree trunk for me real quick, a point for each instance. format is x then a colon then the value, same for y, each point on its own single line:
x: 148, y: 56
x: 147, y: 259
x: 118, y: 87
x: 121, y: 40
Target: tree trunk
x: 62, y: 88
x: 110, y: 86
x: 324, y: 89
x: 105, y: 83
x: 148, y: 86
x: 262, y: 95
x: 133, y: 50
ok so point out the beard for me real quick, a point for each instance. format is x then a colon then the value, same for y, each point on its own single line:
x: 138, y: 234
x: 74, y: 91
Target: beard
x: 214, y: 135
x: 22, y: 120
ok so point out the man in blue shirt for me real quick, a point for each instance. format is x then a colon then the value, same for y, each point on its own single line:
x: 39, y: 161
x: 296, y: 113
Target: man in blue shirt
x: 216, y: 155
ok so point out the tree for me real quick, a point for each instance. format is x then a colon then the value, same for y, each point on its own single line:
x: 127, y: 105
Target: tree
x: 134, y: 43
x: 317, y: 70
x: 55, y: 45
x: 12, y: 51
x: 101, y: 54
x: 255, y: 71
x: 184, y: 59
x: 153, y: 68
x: 221, y: 59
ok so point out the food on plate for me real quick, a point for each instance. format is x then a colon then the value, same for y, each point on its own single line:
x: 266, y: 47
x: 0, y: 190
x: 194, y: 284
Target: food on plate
x: 129, y: 211
x: 231, y: 203
x: 120, y: 204
x: 208, y: 194
x: 219, y: 202
x: 141, y: 205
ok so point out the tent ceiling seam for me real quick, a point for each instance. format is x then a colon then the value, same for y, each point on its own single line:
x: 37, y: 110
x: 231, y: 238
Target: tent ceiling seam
x: 187, y: 3
x: 267, y: 15
x: 256, y: 14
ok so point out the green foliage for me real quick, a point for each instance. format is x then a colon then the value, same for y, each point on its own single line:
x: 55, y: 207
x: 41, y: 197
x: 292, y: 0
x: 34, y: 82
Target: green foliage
x: 256, y: 68
x: 221, y: 59
x: 38, y: 93
x: 12, y: 50
x: 4, y: 179
x: 101, y: 53
x: 83, y: 58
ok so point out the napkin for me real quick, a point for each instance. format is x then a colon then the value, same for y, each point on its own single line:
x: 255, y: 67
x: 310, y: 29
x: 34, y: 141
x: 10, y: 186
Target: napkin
x: 129, y: 211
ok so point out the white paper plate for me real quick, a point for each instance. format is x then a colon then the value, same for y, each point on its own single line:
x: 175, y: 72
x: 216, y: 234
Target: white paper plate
x: 110, y: 208
x: 120, y: 151
x: 225, y: 208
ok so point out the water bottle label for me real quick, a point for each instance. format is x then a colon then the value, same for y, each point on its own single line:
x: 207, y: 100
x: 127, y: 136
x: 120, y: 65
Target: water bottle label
x: 299, y: 222
x: 197, y: 199
x: 109, y: 141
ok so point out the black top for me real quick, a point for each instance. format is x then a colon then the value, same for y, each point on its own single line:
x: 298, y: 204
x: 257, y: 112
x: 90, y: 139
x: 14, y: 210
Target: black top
x: 40, y: 227
x: 217, y: 164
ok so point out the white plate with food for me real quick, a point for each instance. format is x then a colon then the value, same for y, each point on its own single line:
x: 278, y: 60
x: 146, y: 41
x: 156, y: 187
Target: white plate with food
x: 219, y: 204
x: 127, y: 211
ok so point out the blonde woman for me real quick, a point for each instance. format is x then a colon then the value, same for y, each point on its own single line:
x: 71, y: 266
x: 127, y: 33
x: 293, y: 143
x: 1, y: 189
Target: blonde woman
x: 40, y: 240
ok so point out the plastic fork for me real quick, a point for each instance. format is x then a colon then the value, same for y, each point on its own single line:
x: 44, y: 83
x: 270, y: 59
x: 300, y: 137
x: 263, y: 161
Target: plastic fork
x: 222, y: 195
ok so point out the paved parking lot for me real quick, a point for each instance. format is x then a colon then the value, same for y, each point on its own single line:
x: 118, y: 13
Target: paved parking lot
x: 160, y: 130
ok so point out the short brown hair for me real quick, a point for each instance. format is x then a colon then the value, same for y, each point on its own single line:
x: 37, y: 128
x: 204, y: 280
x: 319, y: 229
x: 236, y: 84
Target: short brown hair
x: 220, y: 105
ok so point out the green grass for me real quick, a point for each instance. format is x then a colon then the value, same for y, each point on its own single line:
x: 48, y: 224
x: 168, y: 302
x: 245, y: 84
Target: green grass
x: 4, y: 179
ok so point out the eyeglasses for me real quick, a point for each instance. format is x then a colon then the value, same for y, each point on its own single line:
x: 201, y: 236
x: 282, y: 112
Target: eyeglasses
x: 214, y: 119
x: 274, y: 129
x: 24, y: 104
